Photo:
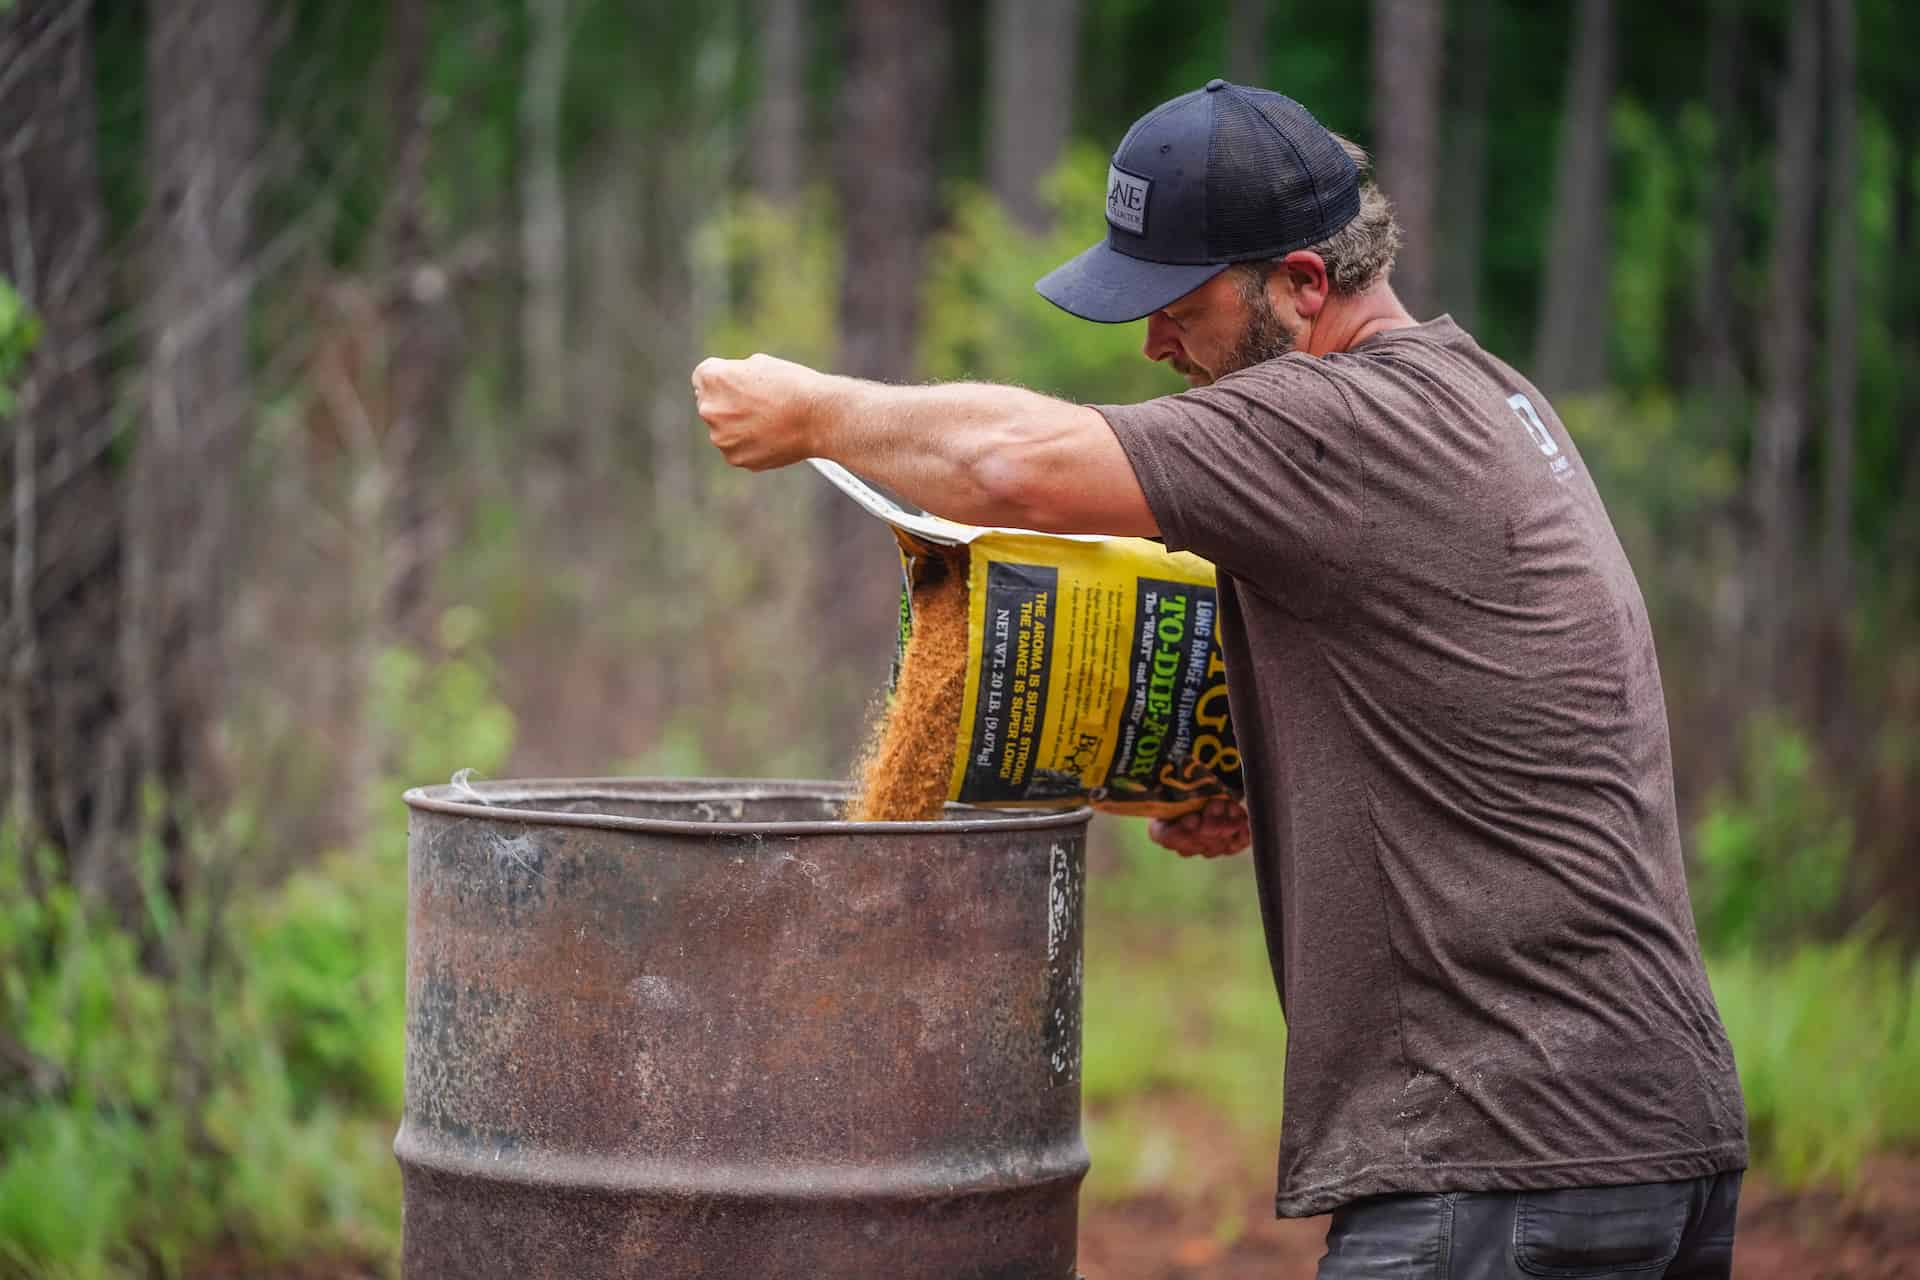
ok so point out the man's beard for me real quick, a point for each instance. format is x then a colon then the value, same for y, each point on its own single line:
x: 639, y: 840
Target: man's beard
x: 1266, y: 338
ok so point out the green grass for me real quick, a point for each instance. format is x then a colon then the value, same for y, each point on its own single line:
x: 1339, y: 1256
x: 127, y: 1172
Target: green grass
x: 1199, y: 1017
x: 1180, y: 1008
x: 207, y: 1111
x: 286, y: 1151
x: 1180, y: 1001
x: 1827, y: 1040
x: 85, y: 1168
x: 247, y: 1101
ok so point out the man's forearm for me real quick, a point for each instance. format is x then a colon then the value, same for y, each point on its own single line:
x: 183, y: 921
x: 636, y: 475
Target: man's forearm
x: 970, y: 451
x: 961, y: 450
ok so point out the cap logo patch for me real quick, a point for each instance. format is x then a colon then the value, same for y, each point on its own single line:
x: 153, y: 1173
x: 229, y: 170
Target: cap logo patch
x: 1127, y: 201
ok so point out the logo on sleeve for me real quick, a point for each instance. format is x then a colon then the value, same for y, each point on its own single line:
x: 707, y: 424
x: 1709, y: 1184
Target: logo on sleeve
x: 1127, y: 201
x: 1538, y: 433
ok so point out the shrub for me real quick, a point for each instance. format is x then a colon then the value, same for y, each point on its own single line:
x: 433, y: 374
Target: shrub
x: 250, y: 1095
x: 1772, y: 852
x: 1828, y: 1045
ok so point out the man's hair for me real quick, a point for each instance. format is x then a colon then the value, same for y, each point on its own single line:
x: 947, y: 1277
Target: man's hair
x: 1359, y: 254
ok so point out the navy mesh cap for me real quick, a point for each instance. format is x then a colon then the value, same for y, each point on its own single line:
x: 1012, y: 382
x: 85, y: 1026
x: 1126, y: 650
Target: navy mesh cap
x: 1221, y: 175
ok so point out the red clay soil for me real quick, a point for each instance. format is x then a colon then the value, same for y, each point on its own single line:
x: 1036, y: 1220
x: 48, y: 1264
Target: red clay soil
x: 1220, y: 1224
x: 1871, y: 1234
x: 239, y: 1264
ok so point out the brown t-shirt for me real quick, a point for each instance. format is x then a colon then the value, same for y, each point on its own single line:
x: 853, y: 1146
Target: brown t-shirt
x: 1458, y: 774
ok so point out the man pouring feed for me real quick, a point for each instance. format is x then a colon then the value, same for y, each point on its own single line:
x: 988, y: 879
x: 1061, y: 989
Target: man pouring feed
x: 1503, y: 1057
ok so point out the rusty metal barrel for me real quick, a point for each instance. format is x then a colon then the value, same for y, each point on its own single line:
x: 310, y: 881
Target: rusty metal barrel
x: 704, y: 1028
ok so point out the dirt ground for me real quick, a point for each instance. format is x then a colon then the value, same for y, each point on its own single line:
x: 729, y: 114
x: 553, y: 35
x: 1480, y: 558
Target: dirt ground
x: 1872, y: 1234
x: 1221, y: 1227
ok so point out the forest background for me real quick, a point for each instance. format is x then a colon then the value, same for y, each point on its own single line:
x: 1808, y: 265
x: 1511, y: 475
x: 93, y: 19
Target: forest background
x: 347, y: 443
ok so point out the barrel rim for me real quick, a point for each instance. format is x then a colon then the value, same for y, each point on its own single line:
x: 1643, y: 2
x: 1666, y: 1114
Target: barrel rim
x: 666, y: 1175
x: 491, y: 798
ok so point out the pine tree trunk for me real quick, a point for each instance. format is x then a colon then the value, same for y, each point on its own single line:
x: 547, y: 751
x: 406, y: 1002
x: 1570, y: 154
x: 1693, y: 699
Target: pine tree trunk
x: 1718, y: 368
x: 1715, y: 372
x: 1247, y: 41
x: 420, y: 324
x: 780, y: 115
x: 1465, y: 180
x: 1571, y: 354
x: 206, y: 67
x: 1030, y: 81
x: 1408, y: 50
x: 890, y: 97
x: 1905, y: 319
x: 1842, y: 302
x: 1780, y: 431
x: 62, y: 527
x: 1842, y: 329
x: 543, y: 248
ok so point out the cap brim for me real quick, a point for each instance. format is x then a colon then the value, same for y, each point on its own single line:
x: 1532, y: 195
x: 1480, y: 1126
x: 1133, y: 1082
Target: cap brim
x: 1107, y: 286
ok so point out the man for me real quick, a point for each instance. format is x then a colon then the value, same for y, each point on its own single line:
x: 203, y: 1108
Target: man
x: 1503, y: 1057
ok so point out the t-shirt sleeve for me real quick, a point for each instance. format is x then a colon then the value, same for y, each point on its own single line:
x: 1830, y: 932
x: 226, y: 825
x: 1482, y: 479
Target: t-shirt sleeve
x: 1256, y: 472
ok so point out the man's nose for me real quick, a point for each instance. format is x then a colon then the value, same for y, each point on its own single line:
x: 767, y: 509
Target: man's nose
x: 1161, y: 343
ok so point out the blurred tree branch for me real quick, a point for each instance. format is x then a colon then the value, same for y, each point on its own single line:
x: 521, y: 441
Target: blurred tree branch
x: 1461, y: 220
x: 206, y: 157
x: 65, y: 737
x: 895, y: 79
x: 19, y: 1064
x: 1571, y: 354
x: 1408, y: 51
x: 1780, y: 430
x: 543, y: 240
x: 1247, y: 22
x: 1843, y: 300
x: 779, y: 140
x: 1031, y: 66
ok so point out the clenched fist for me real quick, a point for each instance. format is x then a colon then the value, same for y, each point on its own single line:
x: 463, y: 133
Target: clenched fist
x: 760, y: 412
x: 1218, y: 830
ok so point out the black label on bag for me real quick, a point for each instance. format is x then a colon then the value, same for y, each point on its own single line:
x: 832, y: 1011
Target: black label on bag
x: 1175, y: 738
x: 1011, y: 702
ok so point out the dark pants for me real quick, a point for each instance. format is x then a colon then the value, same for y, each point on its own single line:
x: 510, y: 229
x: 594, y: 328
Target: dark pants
x: 1653, y: 1231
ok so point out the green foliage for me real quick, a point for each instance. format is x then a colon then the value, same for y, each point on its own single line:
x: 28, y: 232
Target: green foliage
x: 95, y: 1025
x: 19, y: 333
x: 679, y: 752
x: 231, y: 1071
x: 1658, y: 462
x: 99, y: 1137
x: 1663, y: 168
x: 1772, y: 853
x: 329, y: 949
x: 1154, y: 887
x: 1828, y: 1045
x: 983, y: 320
x: 85, y: 1165
x: 442, y: 716
x: 329, y: 957
x: 1179, y: 1002
x: 250, y: 1094
x: 781, y: 269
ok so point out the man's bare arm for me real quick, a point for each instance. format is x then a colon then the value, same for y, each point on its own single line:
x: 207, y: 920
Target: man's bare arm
x: 974, y: 452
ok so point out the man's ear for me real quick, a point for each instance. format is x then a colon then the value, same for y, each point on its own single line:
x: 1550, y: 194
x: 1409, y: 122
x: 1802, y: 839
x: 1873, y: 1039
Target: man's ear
x: 1304, y: 275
